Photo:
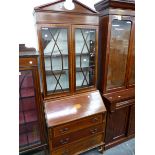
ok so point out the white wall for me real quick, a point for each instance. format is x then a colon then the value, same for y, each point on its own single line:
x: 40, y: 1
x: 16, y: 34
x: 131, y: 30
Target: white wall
x: 26, y: 28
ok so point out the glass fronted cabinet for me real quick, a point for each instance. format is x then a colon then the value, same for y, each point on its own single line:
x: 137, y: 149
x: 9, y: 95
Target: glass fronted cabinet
x: 118, y: 53
x: 68, y: 49
x: 117, y: 68
x: 28, y: 119
x: 31, y: 123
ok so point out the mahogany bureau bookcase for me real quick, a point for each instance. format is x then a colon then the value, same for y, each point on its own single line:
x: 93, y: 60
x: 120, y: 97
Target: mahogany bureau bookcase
x: 116, y: 79
x: 68, y: 46
x: 32, y: 135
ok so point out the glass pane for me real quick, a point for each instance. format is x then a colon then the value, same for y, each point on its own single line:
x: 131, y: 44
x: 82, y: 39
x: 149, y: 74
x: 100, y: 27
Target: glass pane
x: 85, y: 44
x: 28, y: 119
x: 132, y: 76
x: 55, y: 44
x: 119, y: 43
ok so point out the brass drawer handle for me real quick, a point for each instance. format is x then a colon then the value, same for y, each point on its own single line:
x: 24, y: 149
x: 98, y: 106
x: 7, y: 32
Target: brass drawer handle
x: 63, y: 130
x: 93, y: 131
x: 94, y: 119
x: 64, y: 141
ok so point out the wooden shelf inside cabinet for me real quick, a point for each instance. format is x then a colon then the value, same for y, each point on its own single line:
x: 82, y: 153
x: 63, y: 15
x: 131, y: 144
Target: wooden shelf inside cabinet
x: 79, y: 69
x: 28, y: 117
x: 55, y: 55
x: 27, y: 92
x: 89, y: 68
x: 65, y: 55
x: 56, y: 72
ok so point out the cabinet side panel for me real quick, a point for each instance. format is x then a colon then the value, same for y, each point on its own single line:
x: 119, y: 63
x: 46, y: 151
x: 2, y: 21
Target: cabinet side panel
x: 102, y: 55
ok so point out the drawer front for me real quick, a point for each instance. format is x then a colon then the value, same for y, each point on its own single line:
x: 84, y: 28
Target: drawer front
x: 27, y: 62
x: 68, y: 138
x: 79, y: 124
x: 80, y: 146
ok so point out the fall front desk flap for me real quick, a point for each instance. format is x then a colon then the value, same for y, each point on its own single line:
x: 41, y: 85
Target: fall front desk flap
x: 73, y: 108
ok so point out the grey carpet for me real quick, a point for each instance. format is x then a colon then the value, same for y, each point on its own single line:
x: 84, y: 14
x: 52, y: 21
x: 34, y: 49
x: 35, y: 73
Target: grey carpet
x: 126, y: 148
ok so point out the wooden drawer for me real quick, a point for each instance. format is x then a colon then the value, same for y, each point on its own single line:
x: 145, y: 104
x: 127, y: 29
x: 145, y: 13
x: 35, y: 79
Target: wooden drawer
x: 68, y: 138
x: 80, y: 146
x: 27, y: 62
x: 79, y: 124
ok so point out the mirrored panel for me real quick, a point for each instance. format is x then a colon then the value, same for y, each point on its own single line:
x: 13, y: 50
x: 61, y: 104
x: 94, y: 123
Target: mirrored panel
x: 55, y: 44
x: 85, y: 43
x: 119, y: 44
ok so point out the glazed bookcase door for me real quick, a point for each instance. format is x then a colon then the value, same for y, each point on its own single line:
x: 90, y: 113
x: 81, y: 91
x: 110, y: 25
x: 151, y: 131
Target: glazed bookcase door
x: 119, y: 45
x: 85, y: 47
x: 55, y: 58
x: 29, y: 127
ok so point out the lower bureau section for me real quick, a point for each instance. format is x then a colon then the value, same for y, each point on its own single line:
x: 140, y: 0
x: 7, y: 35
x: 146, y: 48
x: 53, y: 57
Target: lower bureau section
x: 76, y: 124
x: 80, y: 146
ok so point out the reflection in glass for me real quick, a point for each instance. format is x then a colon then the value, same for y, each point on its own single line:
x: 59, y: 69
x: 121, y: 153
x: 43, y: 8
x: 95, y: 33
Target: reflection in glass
x: 28, y: 119
x: 85, y: 57
x: 119, y: 43
x: 55, y: 46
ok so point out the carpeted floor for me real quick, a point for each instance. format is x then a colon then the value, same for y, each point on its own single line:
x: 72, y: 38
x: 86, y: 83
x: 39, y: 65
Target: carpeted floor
x: 126, y: 148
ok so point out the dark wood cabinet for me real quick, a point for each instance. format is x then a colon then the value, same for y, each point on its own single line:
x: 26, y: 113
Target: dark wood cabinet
x: 116, y: 79
x: 32, y: 135
x: 68, y: 46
